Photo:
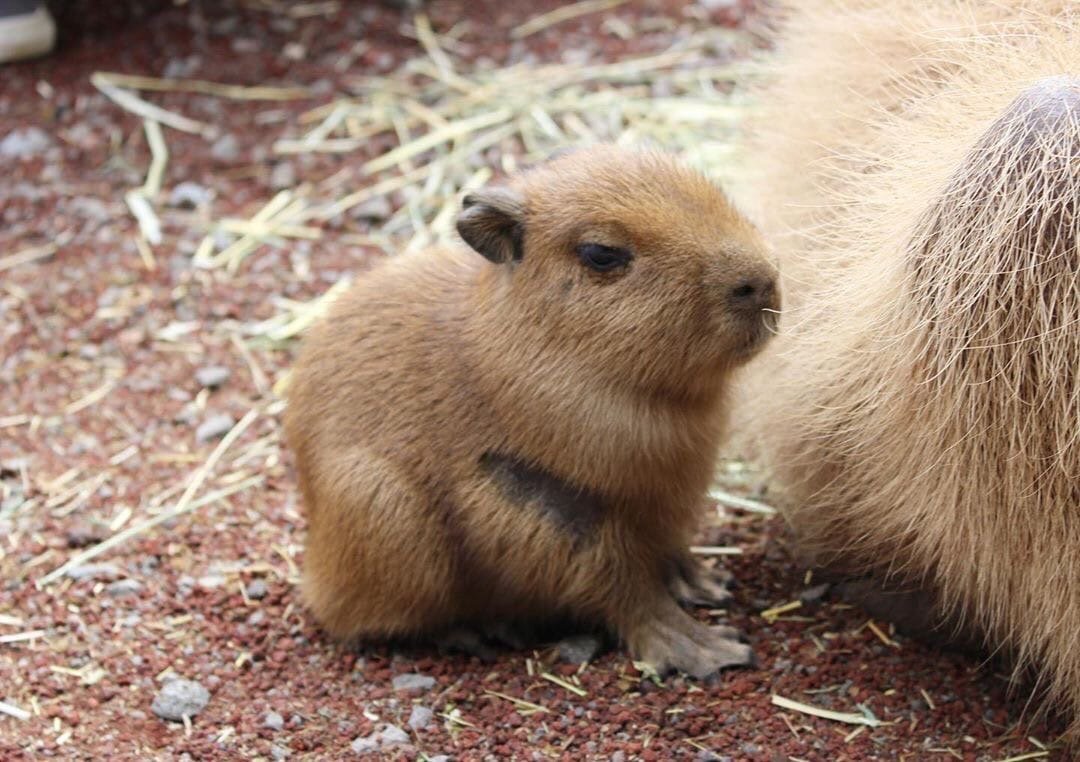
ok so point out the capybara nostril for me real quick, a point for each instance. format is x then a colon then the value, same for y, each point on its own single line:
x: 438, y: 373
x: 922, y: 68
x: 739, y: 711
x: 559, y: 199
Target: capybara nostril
x: 754, y: 294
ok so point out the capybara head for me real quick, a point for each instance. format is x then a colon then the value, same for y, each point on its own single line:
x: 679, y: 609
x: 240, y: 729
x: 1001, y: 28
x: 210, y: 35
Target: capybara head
x: 639, y: 263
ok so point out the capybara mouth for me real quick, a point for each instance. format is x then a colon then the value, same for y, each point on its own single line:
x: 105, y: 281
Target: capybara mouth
x: 763, y: 327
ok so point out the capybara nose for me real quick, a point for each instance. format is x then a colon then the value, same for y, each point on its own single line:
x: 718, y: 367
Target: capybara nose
x: 754, y: 294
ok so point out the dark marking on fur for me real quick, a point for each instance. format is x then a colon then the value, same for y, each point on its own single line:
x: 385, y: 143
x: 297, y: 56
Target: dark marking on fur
x: 575, y: 509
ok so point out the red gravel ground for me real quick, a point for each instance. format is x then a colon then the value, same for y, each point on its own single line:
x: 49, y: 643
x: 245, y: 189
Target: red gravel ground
x: 76, y: 469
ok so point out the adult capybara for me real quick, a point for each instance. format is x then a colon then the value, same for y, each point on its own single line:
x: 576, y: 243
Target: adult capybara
x: 920, y: 176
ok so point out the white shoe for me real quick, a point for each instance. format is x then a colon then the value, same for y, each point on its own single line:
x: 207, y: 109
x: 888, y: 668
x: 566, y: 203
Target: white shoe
x: 27, y: 30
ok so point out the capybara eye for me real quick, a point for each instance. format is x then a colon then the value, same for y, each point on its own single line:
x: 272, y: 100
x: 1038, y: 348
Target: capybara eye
x: 602, y: 258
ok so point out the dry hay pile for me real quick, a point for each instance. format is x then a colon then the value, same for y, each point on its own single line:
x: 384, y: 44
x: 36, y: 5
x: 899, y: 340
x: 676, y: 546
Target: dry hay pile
x: 920, y: 172
x: 450, y: 119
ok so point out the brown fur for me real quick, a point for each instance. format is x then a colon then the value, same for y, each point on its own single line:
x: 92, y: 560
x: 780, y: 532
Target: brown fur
x: 927, y: 395
x: 526, y: 438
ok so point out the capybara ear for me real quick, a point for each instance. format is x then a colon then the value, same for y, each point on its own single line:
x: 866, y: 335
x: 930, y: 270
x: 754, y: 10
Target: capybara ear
x: 492, y: 221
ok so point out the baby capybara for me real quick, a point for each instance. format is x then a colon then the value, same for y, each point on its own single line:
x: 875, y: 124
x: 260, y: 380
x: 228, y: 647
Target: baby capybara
x: 524, y: 429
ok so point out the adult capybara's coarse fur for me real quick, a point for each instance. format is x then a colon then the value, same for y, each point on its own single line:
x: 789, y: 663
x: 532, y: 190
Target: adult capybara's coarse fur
x: 924, y: 416
x: 525, y: 430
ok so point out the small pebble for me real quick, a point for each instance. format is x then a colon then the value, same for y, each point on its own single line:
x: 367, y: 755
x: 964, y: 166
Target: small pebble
x: 21, y: 144
x: 373, y: 210
x: 180, y: 698
x: 82, y: 534
x: 226, y: 148
x: 274, y: 721
x: 212, y: 376
x: 278, y: 752
x: 256, y: 589
x: 420, y: 717
x: 283, y: 175
x: 189, y: 195
x: 181, y: 68
x: 93, y: 571
x: 815, y: 593
x: 365, y: 744
x: 392, y: 735
x: 579, y: 648
x: 413, y: 682
x: 214, y: 427
x: 122, y: 587
x: 90, y: 208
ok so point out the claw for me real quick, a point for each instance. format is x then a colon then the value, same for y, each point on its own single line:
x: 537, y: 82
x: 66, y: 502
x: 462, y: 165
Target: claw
x: 675, y: 640
x: 696, y: 585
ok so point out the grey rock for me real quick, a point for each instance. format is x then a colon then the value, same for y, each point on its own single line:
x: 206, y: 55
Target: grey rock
x: 439, y: 758
x: 190, y: 195
x: 180, y: 698
x: 122, y: 587
x: 384, y: 61
x: 719, y: 5
x: 180, y: 68
x: 392, y: 735
x: 187, y: 414
x: 245, y: 45
x: 21, y: 144
x: 285, y: 25
x: 256, y: 589
x: 90, y: 208
x: 226, y: 148
x: 214, y: 427
x: 226, y: 26
x: 815, y: 593
x: 366, y: 744
x: 579, y: 648
x: 373, y: 210
x: 420, y: 717
x: 279, y: 753
x: 413, y: 682
x: 274, y: 721
x: 222, y: 238
x: 212, y: 376
x: 283, y: 175
x: 93, y: 571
